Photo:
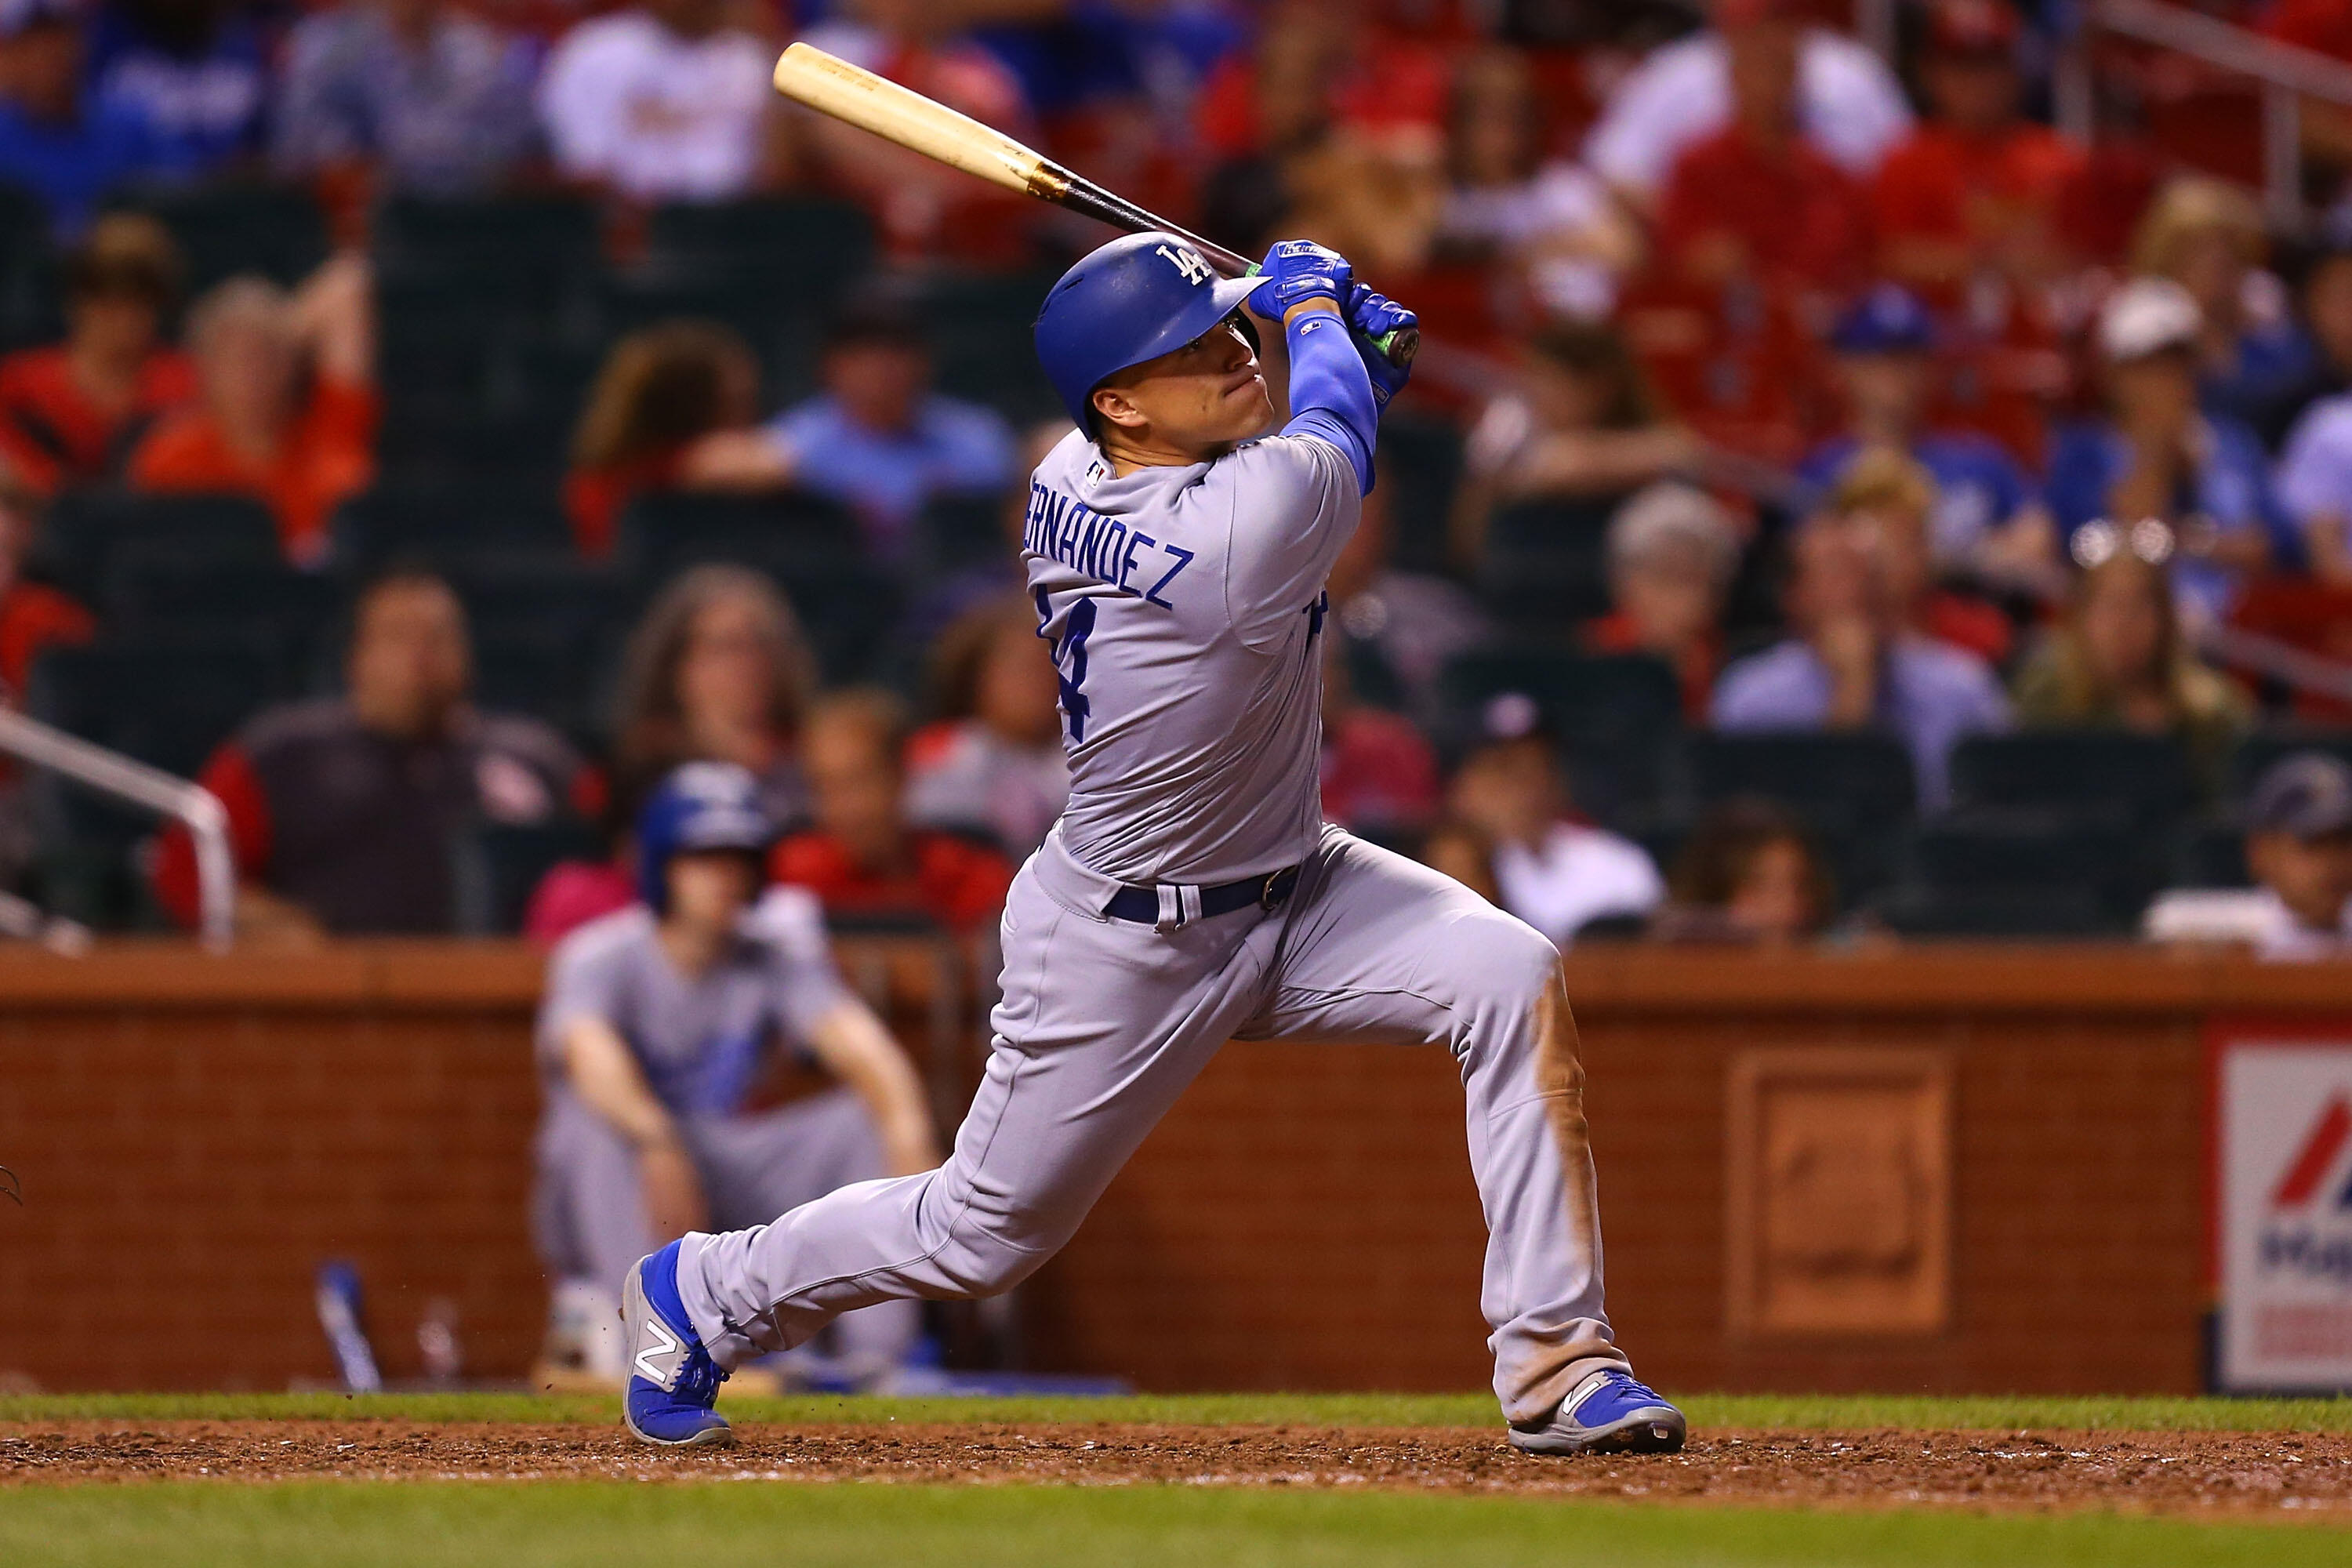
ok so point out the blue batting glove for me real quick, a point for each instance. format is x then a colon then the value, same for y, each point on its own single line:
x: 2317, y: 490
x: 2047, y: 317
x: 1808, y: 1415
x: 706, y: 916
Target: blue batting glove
x: 1297, y: 270
x: 1372, y: 318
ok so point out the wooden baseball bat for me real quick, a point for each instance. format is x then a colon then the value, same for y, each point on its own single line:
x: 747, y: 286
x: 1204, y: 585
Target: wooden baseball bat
x: 849, y: 93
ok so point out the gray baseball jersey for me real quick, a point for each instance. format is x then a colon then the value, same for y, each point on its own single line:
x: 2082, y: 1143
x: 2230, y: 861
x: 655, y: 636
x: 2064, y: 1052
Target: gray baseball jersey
x: 1183, y: 607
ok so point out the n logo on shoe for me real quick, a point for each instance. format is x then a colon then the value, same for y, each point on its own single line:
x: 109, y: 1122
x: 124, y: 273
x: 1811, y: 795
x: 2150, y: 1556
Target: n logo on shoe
x: 669, y: 1346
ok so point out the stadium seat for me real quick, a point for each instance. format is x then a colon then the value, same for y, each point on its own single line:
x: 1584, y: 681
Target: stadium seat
x: 532, y: 595
x: 2141, y: 782
x: 1617, y: 715
x: 508, y: 240
x: 85, y: 528
x: 801, y: 248
x: 449, y: 520
x: 1855, y: 791
x: 980, y: 326
x: 1543, y: 569
x: 2210, y: 854
x: 1419, y: 464
x: 28, y: 271
x: 500, y: 865
x: 176, y: 594
x: 2090, y: 876
x: 664, y: 531
x: 957, y: 531
x: 552, y: 672
x: 225, y: 229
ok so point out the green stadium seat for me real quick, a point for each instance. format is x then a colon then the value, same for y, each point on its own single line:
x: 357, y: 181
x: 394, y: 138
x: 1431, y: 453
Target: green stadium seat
x: 1544, y: 569
x: 170, y: 593
x: 2210, y: 854
x: 1855, y: 792
x: 29, y: 304
x: 1984, y: 859
x: 1617, y: 716
x: 552, y: 672
x: 664, y: 531
x: 2139, y: 781
x: 2259, y: 752
x: 806, y: 248
x: 980, y: 326
x: 451, y: 520
x: 1419, y: 467
x: 958, y: 532
x: 84, y: 528
x: 224, y: 229
x: 498, y: 242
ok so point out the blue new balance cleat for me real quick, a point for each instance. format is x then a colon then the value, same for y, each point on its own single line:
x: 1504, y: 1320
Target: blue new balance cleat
x: 673, y: 1381
x: 1608, y: 1413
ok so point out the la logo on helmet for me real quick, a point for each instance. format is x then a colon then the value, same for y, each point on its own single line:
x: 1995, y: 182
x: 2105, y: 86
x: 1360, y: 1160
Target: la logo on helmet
x: 1187, y: 261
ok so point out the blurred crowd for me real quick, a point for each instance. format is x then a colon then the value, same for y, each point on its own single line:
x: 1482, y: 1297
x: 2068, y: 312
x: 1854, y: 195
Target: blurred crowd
x: 1842, y: 393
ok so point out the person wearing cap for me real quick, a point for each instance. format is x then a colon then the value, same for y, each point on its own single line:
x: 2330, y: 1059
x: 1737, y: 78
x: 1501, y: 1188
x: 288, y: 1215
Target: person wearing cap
x: 1848, y: 105
x: 2158, y: 455
x: 59, y: 138
x: 876, y: 436
x: 2299, y: 849
x: 1513, y: 834
x: 1974, y: 191
x: 673, y: 1042
x: 1987, y: 520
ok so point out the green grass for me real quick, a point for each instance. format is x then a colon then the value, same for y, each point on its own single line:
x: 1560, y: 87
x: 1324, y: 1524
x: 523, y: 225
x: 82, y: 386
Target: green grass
x: 1706, y: 1410
x: 581, y: 1524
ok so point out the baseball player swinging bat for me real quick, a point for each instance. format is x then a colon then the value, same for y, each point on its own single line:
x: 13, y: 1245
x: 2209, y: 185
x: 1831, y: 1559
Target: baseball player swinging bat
x: 857, y: 96
x: 1177, y: 542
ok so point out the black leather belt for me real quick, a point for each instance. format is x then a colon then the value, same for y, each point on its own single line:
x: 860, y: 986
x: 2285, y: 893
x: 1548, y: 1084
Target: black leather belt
x: 1142, y: 905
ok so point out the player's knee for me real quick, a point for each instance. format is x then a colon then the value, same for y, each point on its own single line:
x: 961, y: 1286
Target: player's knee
x: 1499, y: 961
x: 980, y: 1264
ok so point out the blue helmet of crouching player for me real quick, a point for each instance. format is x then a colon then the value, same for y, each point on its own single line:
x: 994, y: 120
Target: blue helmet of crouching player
x: 699, y: 807
x: 1138, y: 298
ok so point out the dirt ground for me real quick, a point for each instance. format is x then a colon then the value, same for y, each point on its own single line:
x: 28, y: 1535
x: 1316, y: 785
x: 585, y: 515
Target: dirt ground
x: 2176, y: 1473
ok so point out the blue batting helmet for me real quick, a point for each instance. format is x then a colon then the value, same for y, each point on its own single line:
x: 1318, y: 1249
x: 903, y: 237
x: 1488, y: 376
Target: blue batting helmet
x: 1135, y: 299
x: 701, y: 806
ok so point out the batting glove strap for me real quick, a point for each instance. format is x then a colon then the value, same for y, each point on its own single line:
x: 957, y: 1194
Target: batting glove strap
x: 1297, y: 270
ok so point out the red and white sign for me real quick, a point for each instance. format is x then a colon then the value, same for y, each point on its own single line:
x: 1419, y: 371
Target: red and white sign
x: 2283, y: 1155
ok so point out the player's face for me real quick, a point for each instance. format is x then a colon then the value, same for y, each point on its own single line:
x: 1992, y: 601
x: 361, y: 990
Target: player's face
x: 708, y: 891
x: 1208, y: 394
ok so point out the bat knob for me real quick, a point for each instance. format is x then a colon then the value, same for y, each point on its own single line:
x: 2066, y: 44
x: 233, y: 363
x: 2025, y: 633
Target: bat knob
x: 1402, y: 345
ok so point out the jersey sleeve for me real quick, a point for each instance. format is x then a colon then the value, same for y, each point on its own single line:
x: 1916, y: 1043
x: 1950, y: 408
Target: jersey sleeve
x: 790, y: 923
x: 1295, y: 506
x: 585, y: 978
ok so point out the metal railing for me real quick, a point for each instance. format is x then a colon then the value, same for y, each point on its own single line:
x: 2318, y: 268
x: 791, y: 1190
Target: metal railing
x: 127, y: 779
x: 2288, y: 75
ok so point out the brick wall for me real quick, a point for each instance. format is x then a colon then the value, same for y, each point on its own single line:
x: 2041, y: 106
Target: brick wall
x: 191, y: 1147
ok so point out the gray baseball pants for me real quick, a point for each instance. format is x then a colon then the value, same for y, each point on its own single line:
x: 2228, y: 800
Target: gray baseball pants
x: 1102, y: 1025
x: 590, y: 1214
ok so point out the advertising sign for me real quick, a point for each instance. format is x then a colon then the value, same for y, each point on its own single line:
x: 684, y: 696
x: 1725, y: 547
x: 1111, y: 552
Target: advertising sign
x: 2283, y: 1212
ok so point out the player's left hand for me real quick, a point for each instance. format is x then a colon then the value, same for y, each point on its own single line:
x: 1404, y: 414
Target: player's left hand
x: 1297, y: 270
x: 1370, y: 319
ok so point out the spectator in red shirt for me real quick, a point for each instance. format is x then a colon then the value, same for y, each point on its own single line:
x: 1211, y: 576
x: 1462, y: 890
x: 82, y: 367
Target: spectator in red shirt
x: 70, y: 413
x: 1673, y: 550
x: 1755, y: 203
x: 287, y: 405
x: 863, y: 858
x: 346, y: 815
x: 1319, y: 63
x: 663, y: 393
x: 1975, y: 191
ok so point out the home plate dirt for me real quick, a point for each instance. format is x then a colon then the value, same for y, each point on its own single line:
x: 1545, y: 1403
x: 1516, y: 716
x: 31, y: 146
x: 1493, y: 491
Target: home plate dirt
x: 2191, y: 1473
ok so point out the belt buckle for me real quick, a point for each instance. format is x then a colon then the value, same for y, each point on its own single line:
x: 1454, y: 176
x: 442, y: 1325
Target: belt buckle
x: 1267, y: 899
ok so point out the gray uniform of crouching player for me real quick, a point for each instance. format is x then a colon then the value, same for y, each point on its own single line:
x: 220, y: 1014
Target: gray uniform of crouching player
x: 662, y: 1027
x: 1192, y: 892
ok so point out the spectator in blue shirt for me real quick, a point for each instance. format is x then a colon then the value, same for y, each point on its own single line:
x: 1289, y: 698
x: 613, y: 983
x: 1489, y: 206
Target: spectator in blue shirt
x: 2156, y: 455
x: 197, y: 71
x: 1988, y: 522
x: 1853, y: 664
x: 56, y: 140
x: 876, y: 438
x: 2207, y: 235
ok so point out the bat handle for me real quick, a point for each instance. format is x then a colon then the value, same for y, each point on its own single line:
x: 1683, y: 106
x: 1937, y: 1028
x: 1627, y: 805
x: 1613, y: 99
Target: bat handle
x: 1398, y: 347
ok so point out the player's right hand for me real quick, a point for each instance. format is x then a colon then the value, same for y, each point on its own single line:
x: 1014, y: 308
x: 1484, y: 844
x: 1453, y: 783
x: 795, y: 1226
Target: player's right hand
x: 1298, y: 271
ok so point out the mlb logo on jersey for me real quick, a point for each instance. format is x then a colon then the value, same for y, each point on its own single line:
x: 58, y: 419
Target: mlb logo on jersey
x: 2283, y: 1165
